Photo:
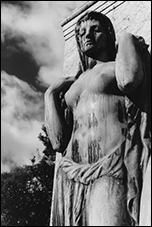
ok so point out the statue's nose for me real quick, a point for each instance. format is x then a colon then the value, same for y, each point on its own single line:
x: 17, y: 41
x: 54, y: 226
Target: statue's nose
x: 89, y: 33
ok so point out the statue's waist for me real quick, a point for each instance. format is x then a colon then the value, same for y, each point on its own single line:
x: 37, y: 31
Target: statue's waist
x: 89, y: 150
x: 110, y: 165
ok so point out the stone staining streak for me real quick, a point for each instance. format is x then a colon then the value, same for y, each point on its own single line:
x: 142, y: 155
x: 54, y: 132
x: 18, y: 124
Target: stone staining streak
x: 75, y: 151
x: 93, y: 151
x: 76, y: 126
x: 93, y: 145
x: 122, y: 118
x: 92, y: 121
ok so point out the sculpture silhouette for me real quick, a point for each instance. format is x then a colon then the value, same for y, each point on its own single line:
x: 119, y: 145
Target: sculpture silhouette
x: 99, y: 121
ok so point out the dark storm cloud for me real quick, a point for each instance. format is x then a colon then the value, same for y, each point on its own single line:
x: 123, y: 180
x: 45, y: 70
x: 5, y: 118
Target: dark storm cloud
x: 30, y: 48
x: 18, y: 62
x: 32, y: 52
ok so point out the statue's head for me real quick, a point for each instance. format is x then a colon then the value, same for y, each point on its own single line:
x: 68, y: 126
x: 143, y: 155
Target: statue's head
x: 99, y: 20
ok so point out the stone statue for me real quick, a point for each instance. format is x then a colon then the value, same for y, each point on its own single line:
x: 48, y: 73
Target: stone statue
x: 99, y: 122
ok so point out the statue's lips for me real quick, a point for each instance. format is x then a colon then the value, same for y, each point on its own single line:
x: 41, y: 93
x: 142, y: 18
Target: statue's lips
x: 89, y: 42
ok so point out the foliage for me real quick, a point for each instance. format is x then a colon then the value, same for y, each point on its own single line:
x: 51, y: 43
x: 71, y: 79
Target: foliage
x: 26, y: 191
x: 48, y: 151
x: 26, y: 194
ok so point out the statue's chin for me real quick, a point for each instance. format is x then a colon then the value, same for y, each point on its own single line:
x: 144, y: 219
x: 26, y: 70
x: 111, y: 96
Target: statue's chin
x: 89, y: 50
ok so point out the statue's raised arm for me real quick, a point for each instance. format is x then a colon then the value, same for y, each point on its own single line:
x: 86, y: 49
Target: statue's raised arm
x: 133, y: 71
x: 129, y: 69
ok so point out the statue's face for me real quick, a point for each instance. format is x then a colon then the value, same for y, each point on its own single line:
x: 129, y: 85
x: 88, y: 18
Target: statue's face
x: 92, y: 37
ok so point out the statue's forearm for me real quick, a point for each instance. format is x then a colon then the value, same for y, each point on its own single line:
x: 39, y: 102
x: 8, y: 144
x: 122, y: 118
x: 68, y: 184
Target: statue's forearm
x: 129, y: 71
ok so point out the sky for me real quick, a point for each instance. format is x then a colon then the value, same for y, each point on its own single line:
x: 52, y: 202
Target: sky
x: 32, y: 55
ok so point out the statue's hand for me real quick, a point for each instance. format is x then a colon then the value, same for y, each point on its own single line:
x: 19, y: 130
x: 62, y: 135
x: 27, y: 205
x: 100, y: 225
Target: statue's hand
x: 62, y: 85
x: 58, y: 90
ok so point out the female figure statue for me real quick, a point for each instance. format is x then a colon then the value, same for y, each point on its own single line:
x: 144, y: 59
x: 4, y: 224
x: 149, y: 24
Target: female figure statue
x: 100, y: 123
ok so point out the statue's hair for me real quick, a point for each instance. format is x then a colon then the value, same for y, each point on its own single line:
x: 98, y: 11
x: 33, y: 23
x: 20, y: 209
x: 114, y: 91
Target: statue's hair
x: 108, y: 27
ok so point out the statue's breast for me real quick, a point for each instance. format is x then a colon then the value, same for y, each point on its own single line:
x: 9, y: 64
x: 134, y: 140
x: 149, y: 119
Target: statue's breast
x: 102, y: 79
x: 73, y: 94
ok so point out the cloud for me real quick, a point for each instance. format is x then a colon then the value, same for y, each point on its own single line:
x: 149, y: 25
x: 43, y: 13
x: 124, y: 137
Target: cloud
x: 17, y: 101
x: 32, y: 55
x: 32, y: 39
x: 21, y: 121
x: 18, y: 146
x: 64, y: 8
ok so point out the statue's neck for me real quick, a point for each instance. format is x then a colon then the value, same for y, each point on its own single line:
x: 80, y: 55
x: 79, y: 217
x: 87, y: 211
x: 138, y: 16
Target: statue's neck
x: 101, y: 57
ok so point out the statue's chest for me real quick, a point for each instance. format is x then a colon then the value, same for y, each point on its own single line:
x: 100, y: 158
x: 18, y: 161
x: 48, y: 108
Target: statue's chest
x: 95, y: 81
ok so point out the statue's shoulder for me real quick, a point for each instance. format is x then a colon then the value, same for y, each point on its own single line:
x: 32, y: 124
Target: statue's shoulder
x: 106, y: 67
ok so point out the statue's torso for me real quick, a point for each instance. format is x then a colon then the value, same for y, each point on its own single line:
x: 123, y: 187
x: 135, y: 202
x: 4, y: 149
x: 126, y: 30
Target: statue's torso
x: 99, y: 129
x: 99, y: 115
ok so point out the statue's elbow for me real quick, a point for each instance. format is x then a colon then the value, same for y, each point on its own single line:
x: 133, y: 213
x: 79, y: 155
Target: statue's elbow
x: 128, y: 86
